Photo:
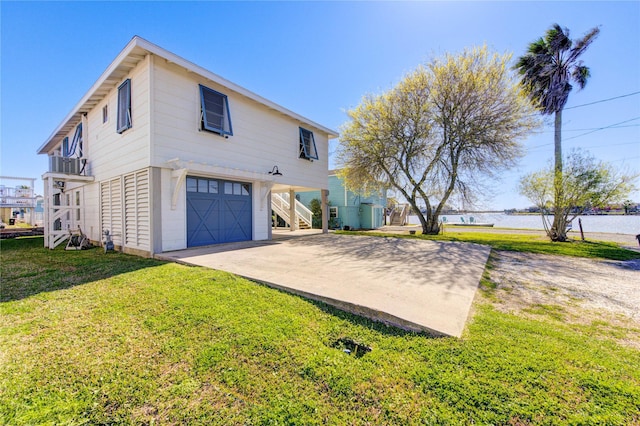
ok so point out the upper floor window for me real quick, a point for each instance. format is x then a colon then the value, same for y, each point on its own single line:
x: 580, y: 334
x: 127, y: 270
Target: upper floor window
x: 214, y: 114
x: 124, y: 106
x: 105, y: 113
x: 307, y: 145
x: 65, y: 147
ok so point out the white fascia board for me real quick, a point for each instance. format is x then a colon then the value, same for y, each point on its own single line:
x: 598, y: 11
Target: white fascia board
x: 190, y: 66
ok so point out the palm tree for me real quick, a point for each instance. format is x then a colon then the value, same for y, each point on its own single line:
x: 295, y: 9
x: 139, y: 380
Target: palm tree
x: 548, y: 70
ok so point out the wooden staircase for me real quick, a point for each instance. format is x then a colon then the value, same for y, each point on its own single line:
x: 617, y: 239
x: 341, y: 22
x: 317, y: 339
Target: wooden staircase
x: 280, y: 205
x: 399, y: 215
x: 303, y: 225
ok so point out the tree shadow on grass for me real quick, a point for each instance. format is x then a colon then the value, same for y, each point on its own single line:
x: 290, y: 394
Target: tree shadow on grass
x: 28, y: 268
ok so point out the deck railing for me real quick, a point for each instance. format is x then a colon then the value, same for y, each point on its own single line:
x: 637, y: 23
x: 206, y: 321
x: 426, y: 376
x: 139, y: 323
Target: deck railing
x: 280, y: 204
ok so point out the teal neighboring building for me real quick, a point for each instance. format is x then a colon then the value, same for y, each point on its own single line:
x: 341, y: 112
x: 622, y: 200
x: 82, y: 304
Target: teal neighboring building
x: 347, y: 209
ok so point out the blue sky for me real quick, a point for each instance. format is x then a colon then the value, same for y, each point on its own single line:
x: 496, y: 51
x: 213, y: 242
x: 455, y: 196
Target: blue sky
x: 315, y: 58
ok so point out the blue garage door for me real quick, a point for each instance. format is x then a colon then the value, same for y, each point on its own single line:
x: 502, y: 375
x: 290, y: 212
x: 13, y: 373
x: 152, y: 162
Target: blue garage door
x: 218, y: 211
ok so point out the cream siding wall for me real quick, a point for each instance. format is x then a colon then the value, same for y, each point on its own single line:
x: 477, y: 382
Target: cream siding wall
x: 261, y: 213
x: 111, y: 154
x: 112, y: 158
x: 92, y: 211
x: 261, y: 137
x: 174, y: 221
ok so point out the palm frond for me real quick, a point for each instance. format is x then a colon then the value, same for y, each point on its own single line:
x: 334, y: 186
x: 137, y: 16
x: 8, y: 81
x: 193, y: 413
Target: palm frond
x: 582, y: 44
x: 558, y: 39
x: 580, y: 74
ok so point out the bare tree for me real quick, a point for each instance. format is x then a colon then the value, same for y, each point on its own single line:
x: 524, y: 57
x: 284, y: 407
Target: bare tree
x: 445, y: 128
x: 586, y: 183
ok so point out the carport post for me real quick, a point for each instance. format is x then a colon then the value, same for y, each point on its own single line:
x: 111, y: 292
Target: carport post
x: 325, y: 210
x: 293, y: 220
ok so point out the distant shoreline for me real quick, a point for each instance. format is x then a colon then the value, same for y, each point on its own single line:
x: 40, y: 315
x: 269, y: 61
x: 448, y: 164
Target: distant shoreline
x: 614, y: 213
x: 627, y: 241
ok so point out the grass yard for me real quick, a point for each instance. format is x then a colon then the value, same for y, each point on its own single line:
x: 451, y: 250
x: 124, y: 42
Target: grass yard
x: 522, y: 243
x: 94, y: 338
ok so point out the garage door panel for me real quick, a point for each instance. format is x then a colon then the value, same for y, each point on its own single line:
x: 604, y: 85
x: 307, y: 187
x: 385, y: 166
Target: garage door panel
x: 236, y: 218
x: 203, y: 223
x: 217, y: 216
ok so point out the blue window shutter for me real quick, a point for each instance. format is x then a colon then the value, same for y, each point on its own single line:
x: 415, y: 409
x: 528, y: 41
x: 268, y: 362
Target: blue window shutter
x: 215, y: 111
x: 124, y: 106
x: 65, y: 147
x: 78, y: 140
x: 307, y: 145
x: 75, y: 142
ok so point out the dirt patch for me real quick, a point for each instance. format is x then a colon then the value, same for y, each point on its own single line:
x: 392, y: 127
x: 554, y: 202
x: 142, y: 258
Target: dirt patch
x: 568, y: 288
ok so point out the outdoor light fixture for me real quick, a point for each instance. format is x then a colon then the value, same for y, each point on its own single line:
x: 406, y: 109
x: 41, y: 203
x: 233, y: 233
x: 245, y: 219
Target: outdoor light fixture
x: 275, y: 171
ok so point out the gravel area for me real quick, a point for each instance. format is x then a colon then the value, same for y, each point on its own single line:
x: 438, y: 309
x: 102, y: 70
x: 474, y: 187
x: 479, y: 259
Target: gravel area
x: 575, y: 284
x: 575, y: 289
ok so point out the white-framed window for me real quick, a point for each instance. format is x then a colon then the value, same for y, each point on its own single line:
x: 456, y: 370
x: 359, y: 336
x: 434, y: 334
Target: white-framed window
x: 214, y: 186
x: 333, y: 212
x: 237, y: 188
x: 105, y: 114
x: 214, y: 112
x: 307, y: 145
x: 124, y: 106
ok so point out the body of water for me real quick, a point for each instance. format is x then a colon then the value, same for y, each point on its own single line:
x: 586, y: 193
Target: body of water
x: 616, y: 224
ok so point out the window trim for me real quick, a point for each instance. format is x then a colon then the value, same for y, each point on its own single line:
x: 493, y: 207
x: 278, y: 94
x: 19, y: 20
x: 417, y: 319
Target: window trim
x: 333, y: 212
x: 222, y: 187
x: 124, y: 121
x: 303, y: 147
x: 226, y: 113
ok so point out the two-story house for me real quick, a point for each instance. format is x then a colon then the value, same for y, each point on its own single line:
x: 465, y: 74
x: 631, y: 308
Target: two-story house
x: 166, y: 155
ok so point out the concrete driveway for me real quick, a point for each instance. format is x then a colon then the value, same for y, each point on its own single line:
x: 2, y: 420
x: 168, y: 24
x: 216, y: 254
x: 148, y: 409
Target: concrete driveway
x: 417, y: 285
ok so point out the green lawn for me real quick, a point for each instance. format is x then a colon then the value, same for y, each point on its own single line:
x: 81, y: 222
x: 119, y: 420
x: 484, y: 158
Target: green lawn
x: 522, y: 243
x: 94, y: 338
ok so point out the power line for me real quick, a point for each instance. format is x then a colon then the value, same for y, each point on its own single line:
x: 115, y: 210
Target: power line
x: 593, y: 146
x: 595, y: 102
x: 623, y: 159
x: 615, y: 125
x: 603, y: 100
x: 602, y: 128
x: 593, y: 128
